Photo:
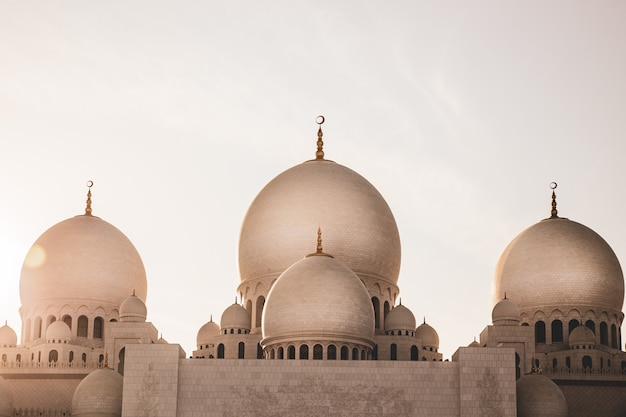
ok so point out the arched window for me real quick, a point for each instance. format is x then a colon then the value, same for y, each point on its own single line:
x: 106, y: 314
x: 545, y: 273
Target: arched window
x: 68, y: 320
x: 259, y: 351
x: 4, y: 358
x: 82, y: 326
x: 375, y: 353
x: 98, y: 325
x: 363, y: 355
x: 591, y: 325
x: 318, y: 352
x: 70, y: 358
x: 344, y: 353
x: 100, y: 359
x: 291, y: 352
x: 260, y: 303
x: 281, y: 353
x: 554, y: 363
x: 83, y: 358
x: 557, y: 331
x: 385, y: 310
x: 568, y: 362
x: 587, y: 364
x: 37, y: 328
x: 540, y: 332
x: 355, y: 354
x: 272, y: 354
x: 414, y: 353
x: 394, y: 352
x: 518, y: 370
x: 122, y: 358
x: 241, y: 350
x: 572, y: 325
x: 304, y: 352
x: 601, y: 363
x: 53, y: 356
x: 376, y: 304
x: 18, y: 358
x: 332, y: 352
x: 220, y: 351
x: 614, y: 344
x: 604, y: 334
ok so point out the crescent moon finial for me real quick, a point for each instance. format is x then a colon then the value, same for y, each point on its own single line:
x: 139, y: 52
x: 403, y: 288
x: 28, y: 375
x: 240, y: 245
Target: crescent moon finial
x: 88, y: 208
x: 319, y: 154
x: 553, y: 211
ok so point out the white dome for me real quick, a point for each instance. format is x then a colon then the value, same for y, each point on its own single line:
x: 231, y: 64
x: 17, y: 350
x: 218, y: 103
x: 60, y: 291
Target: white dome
x: 538, y: 396
x: 558, y: 263
x: 6, y: 399
x: 8, y: 337
x: 400, y: 318
x: 99, y: 394
x: 582, y: 336
x: 82, y: 260
x: 58, y: 332
x: 505, y: 313
x: 235, y: 317
x: 428, y: 336
x: 318, y: 299
x: 277, y: 228
x: 133, y: 309
x: 207, y: 332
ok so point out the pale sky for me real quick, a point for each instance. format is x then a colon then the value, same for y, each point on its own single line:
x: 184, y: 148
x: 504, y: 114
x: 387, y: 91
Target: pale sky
x: 460, y: 113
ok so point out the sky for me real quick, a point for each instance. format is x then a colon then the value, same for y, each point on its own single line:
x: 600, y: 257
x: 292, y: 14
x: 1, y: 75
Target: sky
x: 461, y: 113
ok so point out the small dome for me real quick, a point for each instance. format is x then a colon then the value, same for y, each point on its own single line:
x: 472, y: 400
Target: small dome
x: 207, y: 332
x: 6, y: 399
x: 428, y: 335
x: 538, y: 396
x: 505, y: 313
x: 582, y: 336
x: 58, y: 331
x: 99, y: 394
x: 235, y: 317
x: 8, y: 337
x: 474, y: 344
x: 558, y: 263
x: 133, y: 309
x: 400, y: 318
x: 318, y: 299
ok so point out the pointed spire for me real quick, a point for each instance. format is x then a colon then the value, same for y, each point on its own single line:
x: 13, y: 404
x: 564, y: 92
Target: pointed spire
x: 400, y: 300
x: 319, y: 154
x: 211, y: 317
x: 505, y: 295
x: 88, y: 208
x: 319, y: 249
x: 134, y: 293
x: 424, y: 319
x: 553, y: 212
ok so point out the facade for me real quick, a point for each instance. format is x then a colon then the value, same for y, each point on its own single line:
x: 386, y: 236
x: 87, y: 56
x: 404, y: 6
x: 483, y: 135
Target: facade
x: 317, y: 328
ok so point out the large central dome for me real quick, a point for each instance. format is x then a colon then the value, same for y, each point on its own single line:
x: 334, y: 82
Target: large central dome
x: 358, y: 222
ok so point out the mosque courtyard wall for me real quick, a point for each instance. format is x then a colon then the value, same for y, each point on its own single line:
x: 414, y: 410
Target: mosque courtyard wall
x: 159, y: 381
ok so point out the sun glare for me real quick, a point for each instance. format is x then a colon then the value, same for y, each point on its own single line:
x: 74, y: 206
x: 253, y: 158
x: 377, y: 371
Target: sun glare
x: 36, y: 257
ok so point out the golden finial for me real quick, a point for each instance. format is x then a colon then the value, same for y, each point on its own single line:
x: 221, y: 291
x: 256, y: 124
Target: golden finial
x: 553, y: 212
x: 319, y: 250
x: 319, y: 154
x: 88, y: 208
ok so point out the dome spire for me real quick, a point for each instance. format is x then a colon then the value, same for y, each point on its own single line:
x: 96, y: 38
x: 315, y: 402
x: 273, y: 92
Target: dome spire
x: 319, y: 249
x: 553, y: 212
x: 88, y: 208
x: 319, y: 154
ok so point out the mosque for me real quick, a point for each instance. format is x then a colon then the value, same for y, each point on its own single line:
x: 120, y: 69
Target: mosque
x: 318, y: 328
